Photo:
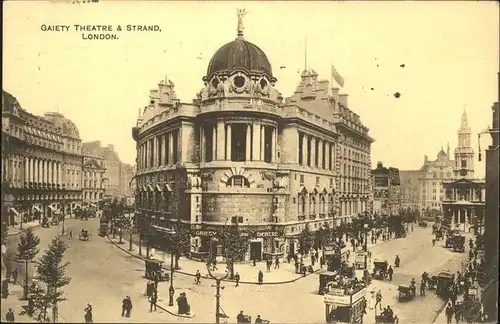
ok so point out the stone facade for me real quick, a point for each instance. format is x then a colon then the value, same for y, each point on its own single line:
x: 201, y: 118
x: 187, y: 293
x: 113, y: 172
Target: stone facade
x: 386, y: 190
x: 409, y: 188
x: 41, y: 163
x: 94, y: 175
x: 118, y: 174
x: 239, y: 153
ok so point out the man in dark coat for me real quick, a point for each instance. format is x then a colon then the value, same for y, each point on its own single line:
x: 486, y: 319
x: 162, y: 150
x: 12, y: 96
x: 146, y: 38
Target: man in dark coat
x: 9, y: 317
x: 449, y: 313
x: 260, y: 277
x: 240, y: 318
x: 152, y: 302
x: 390, y: 272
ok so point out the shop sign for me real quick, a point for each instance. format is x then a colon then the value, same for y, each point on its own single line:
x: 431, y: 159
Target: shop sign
x: 336, y: 292
x: 267, y: 234
x: 331, y: 298
x: 205, y: 233
x: 360, y: 256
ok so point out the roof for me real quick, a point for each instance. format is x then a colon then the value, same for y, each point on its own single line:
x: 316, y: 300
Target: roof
x: 239, y: 55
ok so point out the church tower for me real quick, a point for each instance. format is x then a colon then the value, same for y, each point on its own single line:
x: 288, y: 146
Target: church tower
x: 464, y: 153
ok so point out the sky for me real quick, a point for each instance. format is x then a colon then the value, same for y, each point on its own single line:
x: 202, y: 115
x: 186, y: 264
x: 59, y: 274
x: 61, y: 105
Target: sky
x: 449, y: 51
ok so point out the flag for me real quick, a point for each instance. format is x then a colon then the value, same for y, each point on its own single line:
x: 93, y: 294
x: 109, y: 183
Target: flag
x: 337, y: 77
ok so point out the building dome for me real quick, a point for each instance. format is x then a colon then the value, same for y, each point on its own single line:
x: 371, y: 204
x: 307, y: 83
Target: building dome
x: 239, y: 55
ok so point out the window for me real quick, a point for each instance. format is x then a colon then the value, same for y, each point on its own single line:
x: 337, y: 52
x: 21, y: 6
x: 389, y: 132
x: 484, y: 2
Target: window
x: 316, y: 150
x: 308, y: 151
x: 238, y: 181
x: 175, y: 137
x: 301, y: 137
x: 238, y: 142
x: 208, y: 131
x: 330, y: 160
x: 317, y: 181
x: 434, y: 174
x: 434, y: 190
x: 464, y: 163
x: 301, y: 179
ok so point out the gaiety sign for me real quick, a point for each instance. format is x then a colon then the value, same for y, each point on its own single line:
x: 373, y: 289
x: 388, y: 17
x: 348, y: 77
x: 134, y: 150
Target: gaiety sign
x: 244, y: 234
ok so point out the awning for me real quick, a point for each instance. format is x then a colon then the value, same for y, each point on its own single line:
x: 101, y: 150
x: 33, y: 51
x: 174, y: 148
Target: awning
x: 158, y: 188
x: 14, y: 211
x: 52, y: 208
x: 144, y: 188
x: 37, y: 209
x: 168, y: 188
x: 150, y: 187
x: 78, y: 205
x: 93, y: 205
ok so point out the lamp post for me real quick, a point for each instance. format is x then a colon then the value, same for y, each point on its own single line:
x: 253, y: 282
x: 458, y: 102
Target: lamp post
x: 218, y: 279
x: 365, y: 271
x: 63, y: 217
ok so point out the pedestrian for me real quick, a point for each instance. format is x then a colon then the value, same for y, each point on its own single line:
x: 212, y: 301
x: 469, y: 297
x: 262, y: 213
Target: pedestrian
x: 321, y: 262
x: 214, y: 264
x: 313, y: 260
x: 422, y: 288
x: 237, y: 279
x: 258, y: 320
x: 296, y: 267
x: 70, y: 235
x: 390, y: 271
x: 260, y: 277
x: 14, y: 276
x: 433, y: 242
x: 277, y: 263
x: 449, y: 313
x: 88, y: 314
x: 198, y: 277
x: 152, y: 302
x: 378, y: 300
x: 253, y: 260
x: 9, y: 317
x: 457, y: 316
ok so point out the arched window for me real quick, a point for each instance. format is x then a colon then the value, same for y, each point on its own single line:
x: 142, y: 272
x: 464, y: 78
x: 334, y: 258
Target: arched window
x: 238, y: 181
x: 312, y: 202
x: 323, y: 204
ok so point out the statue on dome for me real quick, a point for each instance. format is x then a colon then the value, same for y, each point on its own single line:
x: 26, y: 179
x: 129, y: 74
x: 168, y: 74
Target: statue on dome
x: 240, y: 14
x: 220, y: 89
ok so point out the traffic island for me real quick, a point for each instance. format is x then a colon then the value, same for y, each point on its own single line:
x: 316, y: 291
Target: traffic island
x: 172, y: 310
x: 192, y: 274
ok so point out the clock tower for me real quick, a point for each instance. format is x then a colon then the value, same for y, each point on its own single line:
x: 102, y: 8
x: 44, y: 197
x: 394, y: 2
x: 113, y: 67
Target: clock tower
x: 464, y: 153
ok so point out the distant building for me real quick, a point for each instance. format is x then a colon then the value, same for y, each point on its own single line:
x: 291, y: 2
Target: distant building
x: 127, y: 174
x: 386, y: 193
x: 41, y: 163
x: 409, y: 189
x: 116, y: 172
x: 93, y: 179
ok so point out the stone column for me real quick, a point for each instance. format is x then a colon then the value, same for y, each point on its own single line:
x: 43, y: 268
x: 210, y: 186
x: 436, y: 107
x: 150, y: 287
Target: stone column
x: 60, y: 173
x: 42, y: 171
x: 228, y: 143
x: 26, y: 169
x: 313, y: 151
x: 248, y: 143
x: 328, y: 155
x: 221, y: 140
x: 304, y: 149
x: 164, y: 149
x: 171, y: 148
x: 262, y: 142
x: 256, y: 141
x: 273, y: 146
x: 154, y: 151
x: 51, y: 172
x: 32, y: 169
x: 214, y: 142
x: 320, y: 153
x: 203, y: 144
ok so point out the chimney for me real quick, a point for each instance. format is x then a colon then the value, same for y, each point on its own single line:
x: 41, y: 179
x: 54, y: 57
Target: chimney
x: 111, y: 147
x: 448, y: 149
x: 426, y: 158
x: 343, y: 99
x: 379, y: 165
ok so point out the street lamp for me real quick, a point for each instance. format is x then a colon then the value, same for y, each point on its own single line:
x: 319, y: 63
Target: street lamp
x: 218, y: 278
x: 365, y: 271
x: 63, y: 216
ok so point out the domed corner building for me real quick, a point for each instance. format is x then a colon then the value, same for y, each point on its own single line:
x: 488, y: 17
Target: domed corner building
x: 240, y: 154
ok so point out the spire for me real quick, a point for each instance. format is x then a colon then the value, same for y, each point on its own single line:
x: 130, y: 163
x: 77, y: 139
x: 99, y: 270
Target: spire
x: 448, y: 149
x: 240, y: 13
x: 464, y: 125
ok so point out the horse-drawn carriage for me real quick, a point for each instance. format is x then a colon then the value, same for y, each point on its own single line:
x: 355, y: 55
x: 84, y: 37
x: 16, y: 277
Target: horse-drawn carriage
x: 154, y: 270
x: 458, y: 243
x: 422, y: 223
x: 406, y: 292
x: 444, y: 282
x: 84, y: 235
x: 380, y: 270
x: 386, y: 319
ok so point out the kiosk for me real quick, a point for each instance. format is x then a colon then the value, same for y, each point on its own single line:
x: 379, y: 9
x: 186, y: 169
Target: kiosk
x: 343, y: 306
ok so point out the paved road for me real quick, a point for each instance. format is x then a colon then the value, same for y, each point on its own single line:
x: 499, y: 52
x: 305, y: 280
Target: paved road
x: 103, y: 275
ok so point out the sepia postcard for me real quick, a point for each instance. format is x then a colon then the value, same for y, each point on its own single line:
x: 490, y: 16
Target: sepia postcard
x: 250, y: 162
